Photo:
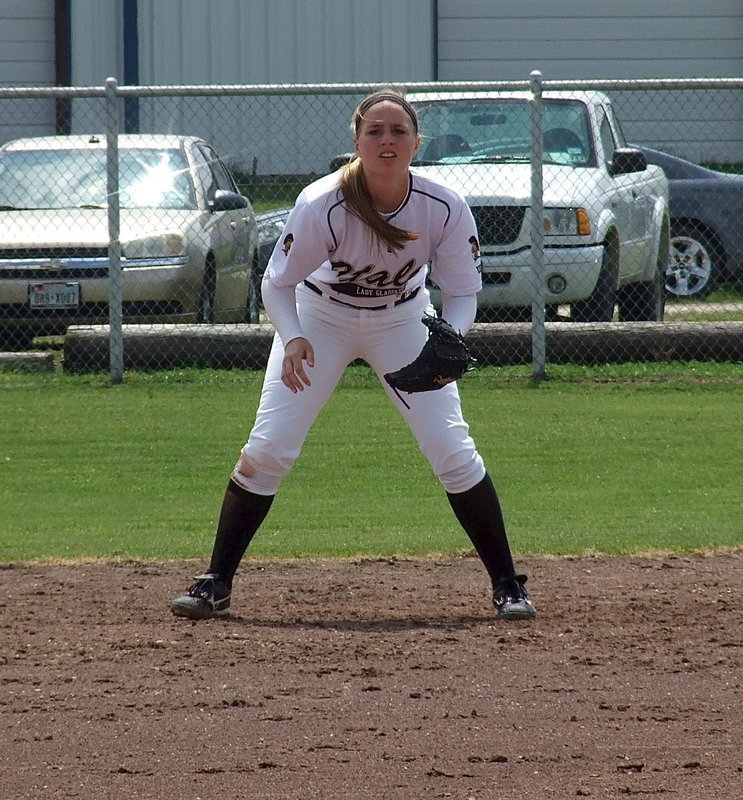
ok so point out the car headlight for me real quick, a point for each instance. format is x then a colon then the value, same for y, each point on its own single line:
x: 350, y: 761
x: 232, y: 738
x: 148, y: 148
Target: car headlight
x: 566, y: 222
x: 165, y: 245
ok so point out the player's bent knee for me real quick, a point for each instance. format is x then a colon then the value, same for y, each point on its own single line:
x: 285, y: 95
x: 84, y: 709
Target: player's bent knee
x: 463, y: 477
x: 258, y: 472
x: 245, y: 467
x: 245, y: 473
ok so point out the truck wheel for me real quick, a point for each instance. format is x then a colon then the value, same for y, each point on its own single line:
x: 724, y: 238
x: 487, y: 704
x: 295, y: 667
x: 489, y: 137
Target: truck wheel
x: 646, y: 302
x: 599, y: 307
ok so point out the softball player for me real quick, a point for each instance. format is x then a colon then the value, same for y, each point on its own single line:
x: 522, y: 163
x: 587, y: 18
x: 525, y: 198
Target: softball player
x: 346, y: 282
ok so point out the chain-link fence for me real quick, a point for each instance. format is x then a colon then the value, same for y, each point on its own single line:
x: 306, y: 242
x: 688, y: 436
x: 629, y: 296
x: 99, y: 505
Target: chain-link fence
x: 137, y: 232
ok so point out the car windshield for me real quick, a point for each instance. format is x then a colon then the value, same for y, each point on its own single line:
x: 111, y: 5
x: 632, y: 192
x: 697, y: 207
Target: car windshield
x: 477, y: 131
x: 31, y: 179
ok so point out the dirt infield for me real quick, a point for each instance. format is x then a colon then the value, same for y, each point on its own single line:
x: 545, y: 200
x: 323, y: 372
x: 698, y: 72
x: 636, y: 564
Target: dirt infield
x: 374, y: 680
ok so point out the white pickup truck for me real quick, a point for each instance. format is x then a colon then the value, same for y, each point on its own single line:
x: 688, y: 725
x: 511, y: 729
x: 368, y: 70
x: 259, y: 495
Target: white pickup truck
x: 606, y: 216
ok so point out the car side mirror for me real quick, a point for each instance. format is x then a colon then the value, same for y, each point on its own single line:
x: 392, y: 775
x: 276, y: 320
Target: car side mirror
x: 626, y: 160
x: 227, y: 201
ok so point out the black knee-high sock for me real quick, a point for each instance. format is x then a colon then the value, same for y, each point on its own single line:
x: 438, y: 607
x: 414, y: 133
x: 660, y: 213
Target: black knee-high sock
x: 479, y: 513
x: 241, y: 515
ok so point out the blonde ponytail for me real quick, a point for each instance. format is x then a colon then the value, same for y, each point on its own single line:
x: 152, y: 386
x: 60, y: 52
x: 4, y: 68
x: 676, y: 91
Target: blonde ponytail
x: 359, y: 203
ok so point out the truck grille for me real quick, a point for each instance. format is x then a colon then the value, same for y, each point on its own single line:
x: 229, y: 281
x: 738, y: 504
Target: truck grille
x: 498, y: 225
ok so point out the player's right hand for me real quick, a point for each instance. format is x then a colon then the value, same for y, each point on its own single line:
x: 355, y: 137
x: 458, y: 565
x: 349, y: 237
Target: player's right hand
x: 297, y: 353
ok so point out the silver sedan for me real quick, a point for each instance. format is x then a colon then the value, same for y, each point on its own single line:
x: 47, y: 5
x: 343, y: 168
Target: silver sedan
x: 188, y: 238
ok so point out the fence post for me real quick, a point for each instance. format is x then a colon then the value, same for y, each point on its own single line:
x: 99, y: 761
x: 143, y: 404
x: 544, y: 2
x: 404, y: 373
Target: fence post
x: 538, y: 330
x: 115, y: 283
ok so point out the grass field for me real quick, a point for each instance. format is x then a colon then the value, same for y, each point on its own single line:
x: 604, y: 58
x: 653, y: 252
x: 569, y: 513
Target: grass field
x: 617, y: 460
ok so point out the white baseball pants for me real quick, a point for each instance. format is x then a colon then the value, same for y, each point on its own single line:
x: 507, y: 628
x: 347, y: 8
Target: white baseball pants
x: 386, y: 339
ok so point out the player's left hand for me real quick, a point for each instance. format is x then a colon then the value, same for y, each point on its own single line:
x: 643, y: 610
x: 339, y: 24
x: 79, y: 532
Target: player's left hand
x: 297, y: 353
x: 443, y: 360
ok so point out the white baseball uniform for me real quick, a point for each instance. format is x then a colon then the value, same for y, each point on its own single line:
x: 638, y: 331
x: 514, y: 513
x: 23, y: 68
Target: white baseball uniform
x: 330, y: 281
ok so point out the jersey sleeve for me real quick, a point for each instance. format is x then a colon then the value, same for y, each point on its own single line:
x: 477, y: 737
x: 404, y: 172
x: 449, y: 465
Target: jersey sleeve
x: 304, y: 245
x: 456, y: 266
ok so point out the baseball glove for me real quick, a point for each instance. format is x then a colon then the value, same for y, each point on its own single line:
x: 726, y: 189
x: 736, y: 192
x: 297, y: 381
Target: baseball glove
x: 443, y: 359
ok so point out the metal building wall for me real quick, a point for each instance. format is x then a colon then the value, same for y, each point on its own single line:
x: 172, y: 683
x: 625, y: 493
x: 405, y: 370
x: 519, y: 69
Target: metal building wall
x: 97, y: 47
x: 26, y: 59
x: 27, y: 42
x: 586, y: 39
x: 196, y: 42
x: 257, y: 41
x: 285, y: 41
x: 574, y: 39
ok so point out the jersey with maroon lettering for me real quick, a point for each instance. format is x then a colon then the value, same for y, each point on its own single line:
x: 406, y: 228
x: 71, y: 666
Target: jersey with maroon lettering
x: 325, y: 243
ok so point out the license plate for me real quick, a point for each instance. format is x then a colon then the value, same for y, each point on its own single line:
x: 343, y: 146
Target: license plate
x: 54, y: 295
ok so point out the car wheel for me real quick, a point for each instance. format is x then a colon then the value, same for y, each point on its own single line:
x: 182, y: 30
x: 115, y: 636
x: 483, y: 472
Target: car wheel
x: 253, y: 308
x: 695, y: 262
x: 646, y: 302
x: 205, y: 312
x: 599, y: 307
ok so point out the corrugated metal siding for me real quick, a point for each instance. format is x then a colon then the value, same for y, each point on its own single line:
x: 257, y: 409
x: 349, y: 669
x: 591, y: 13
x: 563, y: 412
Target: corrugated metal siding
x: 277, y: 41
x: 583, y: 39
x: 97, y: 53
x: 566, y: 39
x: 96, y: 41
x: 26, y: 59
x: 285, y: 41
x: 27, y: 42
